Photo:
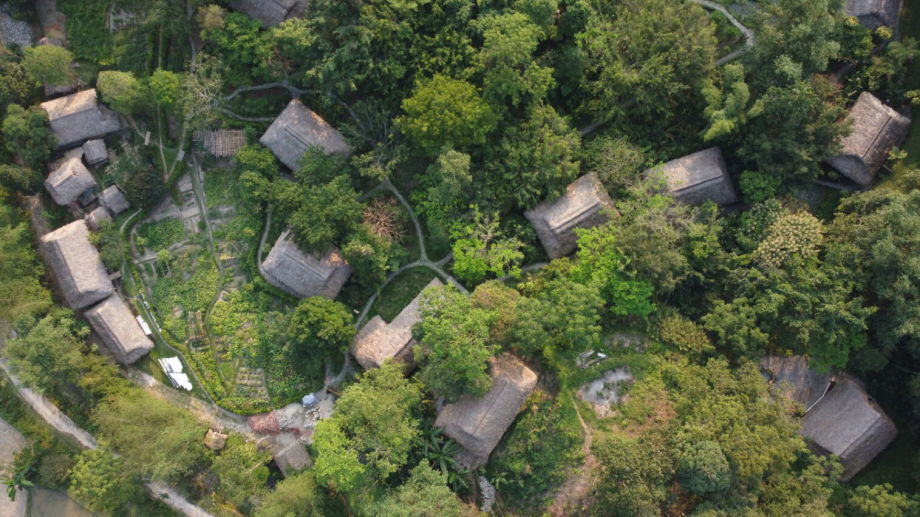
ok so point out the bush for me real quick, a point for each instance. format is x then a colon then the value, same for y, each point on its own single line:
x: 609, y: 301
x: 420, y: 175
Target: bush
x: 758, y: 186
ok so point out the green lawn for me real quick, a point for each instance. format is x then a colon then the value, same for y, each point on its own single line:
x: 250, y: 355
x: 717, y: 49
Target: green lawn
x: 400, y: 292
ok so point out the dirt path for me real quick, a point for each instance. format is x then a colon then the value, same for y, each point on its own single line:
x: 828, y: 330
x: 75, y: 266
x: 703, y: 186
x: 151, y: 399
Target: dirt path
x: 573, y: 494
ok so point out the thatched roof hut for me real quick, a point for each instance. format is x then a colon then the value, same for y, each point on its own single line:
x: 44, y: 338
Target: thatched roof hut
x: 696, y: 178
x: 840, y: 418
x: 290, y: 455
x: 97, y: 218
x: 379, y: 340
x: 76, y: 265
x: 269, y: 12
x: 875, y: 13
x: 95, y: 152
x: 78, y: 117
x: 293, y: 271
x: 119, y: 330
x: 585, y: 204
x: 876, y: 129
x: 297, y: 129
x: 68, y: 181
x: 114, y: 200
x: 478, y: 424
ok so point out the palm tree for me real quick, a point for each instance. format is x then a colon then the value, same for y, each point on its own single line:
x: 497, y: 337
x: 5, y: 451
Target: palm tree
x: 440, y: 452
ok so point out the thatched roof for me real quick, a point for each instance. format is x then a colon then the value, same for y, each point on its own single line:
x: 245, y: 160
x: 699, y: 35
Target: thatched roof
x: 97, y: 218
x: 478, y: 424
x: 114, y: 199
x: 876, y: 129
x: 269, y: 12
x: 76, y: 265
x: 379, y: 340
x: 119, y: 330
x: 95, y: 152
x: 78, y: 117
x: 585, y: 204
x: 696, y: 178
x: 875, y: 13
x: 840, y: 418
x: 293, y: 271
x: 297, y: 129
x: 291, y: 455
x: 68, y: 181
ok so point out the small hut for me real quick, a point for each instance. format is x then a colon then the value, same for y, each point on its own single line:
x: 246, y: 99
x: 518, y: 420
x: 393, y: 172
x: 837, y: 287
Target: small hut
x: 114, y: 200
x: 585, y: 204
x: 297, y: 129
x: 696, y: 178
x: 119, y: 330
x: 97, y: 218
x: 840, y: 418
x: 95, y: 152
x: 299, y: 274
x: 269, y: 12
x: 78, y: 117
x: 290, y: 455
x: 379, y: 340
x: 76, y: 265
x: 876, y: 129
x: 875, y: 13
x: 478, y: 424
x: 69, y: 181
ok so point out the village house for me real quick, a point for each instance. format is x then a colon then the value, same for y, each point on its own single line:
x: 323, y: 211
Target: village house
x: 69, y: 181
x: 839, y: 417
x: 76, y: 266
x: 78, y: 117
x: 378, y: 340
x: 585, y: 204
x: 297, y: 129
x: 876, y: 129
x: 97, y: 217
x: 303, y: 275
x: 875, y: 13
x: 114, y: 200
x: 95, y: 152
x: 696, y: 178
x: 269, y: 12
x: 478, y: 423
x: 116, y: 325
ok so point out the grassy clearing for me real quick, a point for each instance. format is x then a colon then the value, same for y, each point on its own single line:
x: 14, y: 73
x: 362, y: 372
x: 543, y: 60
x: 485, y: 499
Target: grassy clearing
x: 400, y: 292
x: 162, y: 234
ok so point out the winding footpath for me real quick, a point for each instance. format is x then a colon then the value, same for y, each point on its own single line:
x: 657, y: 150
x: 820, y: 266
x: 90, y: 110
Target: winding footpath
x: 748, y: 34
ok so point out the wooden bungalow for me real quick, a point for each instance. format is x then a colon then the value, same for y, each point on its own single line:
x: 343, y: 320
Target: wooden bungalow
x: 70, y: 180
x: 95, y: 152
x: 585, y: 204
x: 299, y: 274
x: 378, y: 340
x: 76, y: 266
x: 875, y: 13
x: 116, y: 325
x: 114, y: 200
x: 78, y: 117
x: 695, y: 178
x: 876, y: 129
x: 297, y: 129
x: 478, y: 423
x: 98, y: 217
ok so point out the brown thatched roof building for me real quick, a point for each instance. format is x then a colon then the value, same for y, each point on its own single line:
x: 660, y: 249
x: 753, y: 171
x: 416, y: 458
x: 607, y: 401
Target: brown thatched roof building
x: 114, y: 200
x: 875, y: 13
x: 696, y: 178
x: 297, y: 129
x: 293, y: 271
x: 68, y: 181
x: 478, y: 424
x: 269, y: 12
x: 585, y: 204
x: 876, y: 129
x: 116, y: 325
x: 97, y: 218
x: 76, y: 265
x: 78, y: 117
x: 840, y: 418
x: 379, y: 340
x: 95, y: 152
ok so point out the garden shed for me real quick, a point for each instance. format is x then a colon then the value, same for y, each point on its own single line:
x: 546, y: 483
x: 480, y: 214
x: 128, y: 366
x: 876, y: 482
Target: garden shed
x: 97, y: 218
x: 115, y: 323
x: 875, y: 13
x: 269, y: 12
x: 297, y: 129
x: 840, y: 418
x: 378, y: 340
x: 585, y: 204
x: 876, y: 129
x: 114, y: 200
x: 75, y: 262
x: 478, y: 423
x: 69, y: 181
x: 78, y: 117
x: 696, y: 178
x: 95, y: 152
x: 303, y: 275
